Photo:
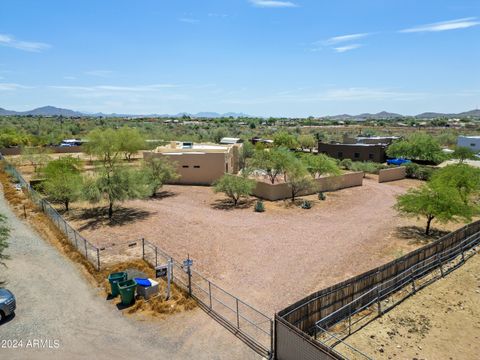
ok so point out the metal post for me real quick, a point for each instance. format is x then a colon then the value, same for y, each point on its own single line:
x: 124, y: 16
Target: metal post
x: 463, y: 254
x: 189, y: 280
x: 172, y: 262
x: 86, y: 252
x: 379, y: 305
x: 75, y: 236
x: 238, y: 315
x: 350, y: 319
x: 271, y: 336
x: 413, y: 283
x: 440, y: 264
x: 156, y: 256
x: 143, y: 248
x: 169, y: 277
x: 98, y: 259
x: 210, y: 293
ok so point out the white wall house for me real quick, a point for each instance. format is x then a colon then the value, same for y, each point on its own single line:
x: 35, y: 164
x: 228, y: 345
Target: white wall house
x: 471, y: 142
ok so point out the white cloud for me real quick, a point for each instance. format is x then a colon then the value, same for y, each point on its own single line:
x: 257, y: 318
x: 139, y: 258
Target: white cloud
x: 444, y: 25
x: 189, y: 20
x: 99, y: 73
x: 344, y: 38
x: 272, y: 3
x: 345, y: 48
x: 10, y: 41
x: 12, y: 87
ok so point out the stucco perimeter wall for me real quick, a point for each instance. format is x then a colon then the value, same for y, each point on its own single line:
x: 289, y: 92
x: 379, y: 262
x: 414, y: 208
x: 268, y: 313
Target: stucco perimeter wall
x: 282, y: 191
x: 196, y: 169
x: 392, y: 174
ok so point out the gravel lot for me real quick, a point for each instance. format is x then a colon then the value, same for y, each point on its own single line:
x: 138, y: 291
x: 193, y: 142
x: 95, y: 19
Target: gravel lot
x: 55, y: 302
x: 269, y: 259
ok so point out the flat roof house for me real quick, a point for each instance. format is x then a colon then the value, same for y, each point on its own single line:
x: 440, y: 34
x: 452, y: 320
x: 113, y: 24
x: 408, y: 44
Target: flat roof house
x: 471, y: 142
x: 355, y: 152
x: 199, y: 164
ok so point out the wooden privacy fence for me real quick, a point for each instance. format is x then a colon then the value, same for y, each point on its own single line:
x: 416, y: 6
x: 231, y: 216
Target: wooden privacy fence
x: 308, y: 312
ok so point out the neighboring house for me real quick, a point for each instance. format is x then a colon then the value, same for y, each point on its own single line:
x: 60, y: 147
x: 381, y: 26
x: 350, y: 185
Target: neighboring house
x: 230, y: 141
x: 383, y: 140
x: 471, y: 142
x: 256, y: 140
x: 199, y: 164
x: 355, y: 152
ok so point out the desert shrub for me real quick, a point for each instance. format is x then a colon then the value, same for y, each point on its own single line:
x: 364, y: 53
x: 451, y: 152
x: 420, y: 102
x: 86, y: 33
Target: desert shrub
x: 420, y: 172
x: 306, y: 204
x: 259, y: 206
x: 322, y: 196
x: 346, y: 164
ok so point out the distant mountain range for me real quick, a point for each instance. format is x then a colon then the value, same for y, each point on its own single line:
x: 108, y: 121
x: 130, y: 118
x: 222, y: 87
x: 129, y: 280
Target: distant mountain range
x: 54, y: 111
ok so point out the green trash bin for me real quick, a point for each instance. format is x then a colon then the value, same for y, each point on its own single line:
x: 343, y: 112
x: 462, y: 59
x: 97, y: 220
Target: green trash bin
x: 127, y: 291
x: 114, y: 279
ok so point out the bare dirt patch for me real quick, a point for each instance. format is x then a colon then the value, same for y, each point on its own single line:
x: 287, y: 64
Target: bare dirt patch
x: 269, y: 259
x: 441, y: 321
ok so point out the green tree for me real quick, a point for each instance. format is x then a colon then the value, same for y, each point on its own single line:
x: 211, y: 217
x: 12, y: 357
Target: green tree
x: 130, y: 141
x: 247, y: 151
x: 36, y: 157
x: 4, y: 236
x: 159, y: 171
x: 321, y: 164
x: 286, y: 140
x: 461, y: 177
x: 418, y: 146
x: 462, y: 153
x: 63, y: 180
x: 273, y: 161
x: 104, y: 145
x: 307, y: 141
x: 116, y: 184
x: 434, y: 202
x: 297, y: 178
x: 235, y: 187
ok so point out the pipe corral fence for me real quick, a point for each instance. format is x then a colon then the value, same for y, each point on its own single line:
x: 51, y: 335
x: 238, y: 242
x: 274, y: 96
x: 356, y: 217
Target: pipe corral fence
x: 316, y: 327
x: 250, y: 325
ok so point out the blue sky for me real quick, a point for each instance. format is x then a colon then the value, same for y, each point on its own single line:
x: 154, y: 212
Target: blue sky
x: 261, y: 57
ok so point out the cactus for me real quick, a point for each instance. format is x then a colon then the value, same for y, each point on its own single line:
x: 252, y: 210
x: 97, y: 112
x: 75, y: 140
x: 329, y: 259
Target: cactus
x: 259, y: 206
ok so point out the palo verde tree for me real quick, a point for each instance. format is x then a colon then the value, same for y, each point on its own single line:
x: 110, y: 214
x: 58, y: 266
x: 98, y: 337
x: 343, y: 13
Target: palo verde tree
x: 465, y: 179
x: 435, y: 202
x: 130, y: 141
x: 36, y: 157
x: 418, y: 146
x: 158, y: 171
x: 272, y: 161
x: 235, y: 187
x: 307, y: 141
x: 463, y: 153
x: 63, y: 180
x: 321, y: 164
x: 297, y: 178
x: 116, y: 185
x: 113, y: 181
x: 285, y: 140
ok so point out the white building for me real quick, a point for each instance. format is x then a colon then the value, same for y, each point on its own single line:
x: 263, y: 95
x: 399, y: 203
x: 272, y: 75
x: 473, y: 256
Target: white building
x: 471, y: 142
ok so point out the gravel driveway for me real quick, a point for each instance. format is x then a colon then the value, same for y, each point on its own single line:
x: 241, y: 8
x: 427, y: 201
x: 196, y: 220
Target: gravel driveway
x: 56, y: 305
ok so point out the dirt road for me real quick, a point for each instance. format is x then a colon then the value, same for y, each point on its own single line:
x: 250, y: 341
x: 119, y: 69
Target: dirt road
x: 57, y: 306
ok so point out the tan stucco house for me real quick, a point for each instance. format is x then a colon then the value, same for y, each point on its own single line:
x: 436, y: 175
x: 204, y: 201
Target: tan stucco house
x: 199, y: 164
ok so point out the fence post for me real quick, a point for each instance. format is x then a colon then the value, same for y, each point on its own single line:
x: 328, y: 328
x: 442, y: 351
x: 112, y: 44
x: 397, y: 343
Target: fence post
x: 238, y: 316
x: 440, y: 264
x: 379, y: 304
x: 143, y: 248
x: 189, y: 273
x: 156, y: 256
x: 75, y: 236
x: 413, y: 282
x: 98, y: 259
x: 271, y: 336
x: 86, y: 252
x: 210, y: 293
x: 172, y: 262
x: 350, y: 318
